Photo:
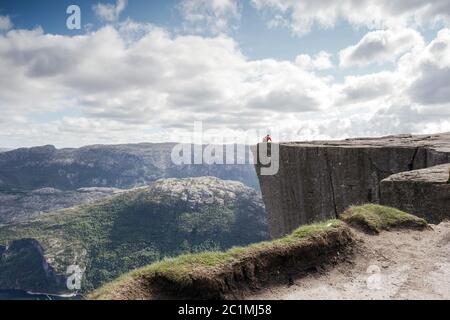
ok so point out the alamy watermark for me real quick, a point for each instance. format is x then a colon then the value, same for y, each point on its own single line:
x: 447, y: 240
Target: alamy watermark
x: 227, y: 151
x: 73, y: 21
x: 75, y: 276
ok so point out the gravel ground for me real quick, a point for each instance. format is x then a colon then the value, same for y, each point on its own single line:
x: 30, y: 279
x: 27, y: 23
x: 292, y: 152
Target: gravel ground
x: 393, y: 265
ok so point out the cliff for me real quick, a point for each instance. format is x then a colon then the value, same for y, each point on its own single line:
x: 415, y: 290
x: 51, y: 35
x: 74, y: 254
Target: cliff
x: 23, y: 266
x: 318, y: 180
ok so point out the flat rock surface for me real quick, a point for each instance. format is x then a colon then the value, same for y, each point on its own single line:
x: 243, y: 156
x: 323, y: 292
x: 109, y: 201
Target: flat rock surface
x: 436, y: 174
x: 440, y: 142
x: 394, y: 265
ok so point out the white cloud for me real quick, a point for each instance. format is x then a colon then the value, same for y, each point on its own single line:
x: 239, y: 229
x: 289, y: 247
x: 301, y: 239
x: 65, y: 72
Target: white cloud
x: 379, y: 47
x: 413, y: 98
x: 5, y: 23
x: 302, y: 16
x: 133, y: 82
x: 430, y: 70
x: 320, y: 61
x: 110, y: 12
x: 136, y: 77
x: 210, y: 16
x: 366, y: 88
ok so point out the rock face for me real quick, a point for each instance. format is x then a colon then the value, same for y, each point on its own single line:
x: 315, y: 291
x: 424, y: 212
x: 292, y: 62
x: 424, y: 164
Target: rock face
x: 20, y: 206
x: 23, y: 265
x: 135, y: 228
x: 319, y: 180
x: 425, y: 192
x: 116, y: 166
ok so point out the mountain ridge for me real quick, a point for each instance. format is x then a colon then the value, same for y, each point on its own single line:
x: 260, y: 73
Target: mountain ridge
x: 121, y: 166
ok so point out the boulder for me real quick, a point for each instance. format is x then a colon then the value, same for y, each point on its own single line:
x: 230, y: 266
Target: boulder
x: 424, y: 193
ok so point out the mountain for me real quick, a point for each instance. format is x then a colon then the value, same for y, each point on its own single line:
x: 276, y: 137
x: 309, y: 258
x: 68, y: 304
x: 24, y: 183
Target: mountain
x: 18, y: 206
x: 116, y: 166
x: 129, y: 230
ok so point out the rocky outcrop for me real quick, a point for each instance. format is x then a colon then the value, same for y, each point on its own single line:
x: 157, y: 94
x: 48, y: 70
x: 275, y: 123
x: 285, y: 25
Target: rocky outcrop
x: 117, y: 166
x: 319, y: 180
x: 425, y: 192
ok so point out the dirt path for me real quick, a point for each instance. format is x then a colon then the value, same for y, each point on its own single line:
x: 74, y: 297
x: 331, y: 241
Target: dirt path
x: 394, y: 265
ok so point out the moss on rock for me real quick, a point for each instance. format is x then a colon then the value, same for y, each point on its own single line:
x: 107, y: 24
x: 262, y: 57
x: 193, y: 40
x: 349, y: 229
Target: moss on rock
x: 374, y: 218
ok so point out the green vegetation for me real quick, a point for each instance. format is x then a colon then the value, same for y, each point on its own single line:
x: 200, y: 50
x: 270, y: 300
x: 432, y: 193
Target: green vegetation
x: 137, y: 228
x: 375, y: 218
x: 179, y: 269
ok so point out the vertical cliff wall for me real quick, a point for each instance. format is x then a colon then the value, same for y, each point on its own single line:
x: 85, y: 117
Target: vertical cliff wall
x: 23, y: 266
x: 318, y: 180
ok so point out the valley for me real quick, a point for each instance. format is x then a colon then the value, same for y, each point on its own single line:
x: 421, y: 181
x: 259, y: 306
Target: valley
x: 129, y: 230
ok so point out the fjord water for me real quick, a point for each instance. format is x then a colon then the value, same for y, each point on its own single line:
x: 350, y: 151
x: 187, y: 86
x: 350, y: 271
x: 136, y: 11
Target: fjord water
x: 22, y: 295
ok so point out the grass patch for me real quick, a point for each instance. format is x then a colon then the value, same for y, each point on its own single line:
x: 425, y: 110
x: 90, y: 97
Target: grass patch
x: 180, y: 270
x: 374, y: 218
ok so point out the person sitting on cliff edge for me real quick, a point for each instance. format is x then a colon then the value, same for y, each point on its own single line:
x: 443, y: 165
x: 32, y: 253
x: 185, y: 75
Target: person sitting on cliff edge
x: 267, y: 139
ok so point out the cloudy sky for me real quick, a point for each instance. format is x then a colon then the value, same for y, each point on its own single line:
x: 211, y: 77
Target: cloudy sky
x: 143, y: 70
